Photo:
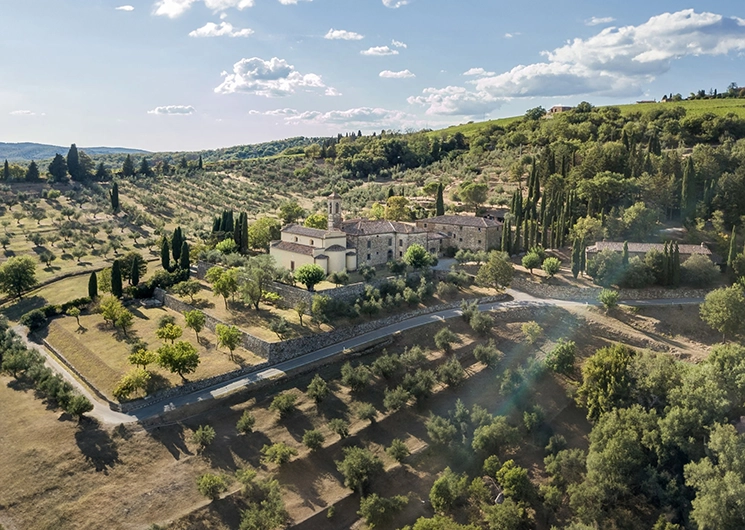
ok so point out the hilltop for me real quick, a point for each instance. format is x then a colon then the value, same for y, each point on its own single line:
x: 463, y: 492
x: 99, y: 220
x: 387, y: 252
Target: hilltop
x: 26, y: 151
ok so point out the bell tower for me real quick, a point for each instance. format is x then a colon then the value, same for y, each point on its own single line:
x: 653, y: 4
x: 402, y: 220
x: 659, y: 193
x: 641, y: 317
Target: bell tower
x: 334, y: 212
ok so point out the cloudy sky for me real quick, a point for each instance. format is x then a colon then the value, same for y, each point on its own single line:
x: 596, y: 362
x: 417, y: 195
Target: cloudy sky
x: 196, y: 74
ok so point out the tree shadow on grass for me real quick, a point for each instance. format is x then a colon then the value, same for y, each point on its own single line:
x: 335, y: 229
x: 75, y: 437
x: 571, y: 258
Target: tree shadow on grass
x: 172, y: 438
x: 333, y: 407
x: 296, y: 424
x: 15, y: 312
x: 97, y: 446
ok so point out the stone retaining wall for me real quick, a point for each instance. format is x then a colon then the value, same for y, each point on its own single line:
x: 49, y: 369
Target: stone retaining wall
x: 586, y: 294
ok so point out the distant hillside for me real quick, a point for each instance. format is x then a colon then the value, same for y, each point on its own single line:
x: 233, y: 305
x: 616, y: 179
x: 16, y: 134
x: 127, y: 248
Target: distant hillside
x: 25, y: 151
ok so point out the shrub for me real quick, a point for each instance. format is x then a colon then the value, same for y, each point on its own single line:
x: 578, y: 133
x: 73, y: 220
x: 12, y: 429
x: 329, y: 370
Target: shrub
x: 377, y: 510
x: 420, y: 383
x: 34, y: 319
x: 637, y: 275
x: 531, y: 261
x: 211, y: 486
x: 398, y: 450
x: 561, y: 358
x: 532, y: 331
x: 313, y: 439
x: 608, y: 298
x: 203, y: 436
x: 699, y: 271
x: 396, y: 398
x: 440, y: 430
x: 488, y: 354
x: 246, y: 422
x: 284, y: 404
x: 445, y: 338
x: 606, y: 268
x: 165, y: 320
x: 339, y: 426
x: 278, y: 453
x: 367, y: 411
x: 481, y: 323
x: 355, y: 377
x: 318, y: 389
x: 495, y: 436
x: 358, y: 467
x: 551, y: 266
x: 413, y: 357
x: 451, y: 373
x: 446, y: 290
x: 386, y: 365
x: 447, y: 491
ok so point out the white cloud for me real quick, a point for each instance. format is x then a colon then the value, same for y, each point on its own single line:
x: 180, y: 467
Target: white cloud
x: 379, y: 51
x: 398, y: 44
x: 173, y: 110
x: 403, y: 74
x: 125, y: 8
x: 480, y: 72
x: 291, y: 2
x: 223, y: 29
x: 357, y: 117
x: 24, y: 113
x: 175, y: 8
x: 455, y: 101
x: 272, y: 78
x: 596, y: 21
x: 620, y: 61
x: 342, y: 34
x: 395, y: 4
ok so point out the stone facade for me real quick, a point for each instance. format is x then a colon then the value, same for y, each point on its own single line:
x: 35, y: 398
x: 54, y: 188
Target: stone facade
x: 465, y: 232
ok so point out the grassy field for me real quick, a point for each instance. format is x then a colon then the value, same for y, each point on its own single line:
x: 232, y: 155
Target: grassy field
x: 63, y: 476
x: 100, y: 352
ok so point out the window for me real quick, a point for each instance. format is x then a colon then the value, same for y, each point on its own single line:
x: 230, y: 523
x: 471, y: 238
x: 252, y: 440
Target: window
x: 479, y: 229
x: 390, y: 241
x: 400, y: 242
x: 369, y: 243
x: 337, y: 207
x: 292, y: 265
x: 479, y: 241
x: 460, y: 240
x: 461, y: 228
x: 296, y: 239
x: 368, y: 257
x: 400, y: 254
x: 312, y: 242
x: 425, y: 225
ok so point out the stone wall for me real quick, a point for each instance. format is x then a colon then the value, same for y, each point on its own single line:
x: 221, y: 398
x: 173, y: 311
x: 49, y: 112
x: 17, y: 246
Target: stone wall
x: 588, y: 294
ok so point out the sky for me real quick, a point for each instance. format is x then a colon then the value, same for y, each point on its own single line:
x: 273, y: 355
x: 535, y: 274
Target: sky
x: 183, y: 75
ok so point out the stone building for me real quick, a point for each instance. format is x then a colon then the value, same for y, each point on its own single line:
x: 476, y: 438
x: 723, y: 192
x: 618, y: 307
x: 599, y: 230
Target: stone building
x: 465, y: 232
x: 345, y: 245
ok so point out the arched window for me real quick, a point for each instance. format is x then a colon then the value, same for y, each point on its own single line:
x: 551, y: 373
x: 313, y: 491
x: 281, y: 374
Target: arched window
x: 337, y: 207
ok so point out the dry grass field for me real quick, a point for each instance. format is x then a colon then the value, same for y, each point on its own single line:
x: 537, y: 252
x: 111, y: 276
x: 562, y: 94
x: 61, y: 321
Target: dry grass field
x: 100, y: 351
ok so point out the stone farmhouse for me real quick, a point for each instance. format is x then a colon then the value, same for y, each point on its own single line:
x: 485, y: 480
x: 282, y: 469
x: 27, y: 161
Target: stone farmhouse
x: 348, y: 244
x: 640, y: 249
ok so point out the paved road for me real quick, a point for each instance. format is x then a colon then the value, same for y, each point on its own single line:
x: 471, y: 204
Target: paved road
x: 103, y: 413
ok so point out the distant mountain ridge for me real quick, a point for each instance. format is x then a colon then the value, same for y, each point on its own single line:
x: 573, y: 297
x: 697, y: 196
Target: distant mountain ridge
x: 27, y: 151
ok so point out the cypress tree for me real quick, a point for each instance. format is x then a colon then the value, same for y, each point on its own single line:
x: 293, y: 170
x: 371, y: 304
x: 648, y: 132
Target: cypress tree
x: 687, y: 194
x: 440, y: 202
x: 237, y: 232
x: 165, y: 255
x: 676, y: 265
x: 128, y: 167
x: 58, y: 168
x: 625, y: 255
x: 101, y: 172
x: 666, y: 265
x: 244, y: 233
x: 32, y: 173
x: 6, y: 171
x: 582, y: 258
x: 134, y: 273
x: 145, y: 168
x: 732, y: 249
x: 199, y: 164
x: 391, y: 193
x: 184, y: 260
x: 73, y: 163
x: 576, y: 260
x: 93, y: 286
x: 114, y: 196
x: 504, y: 247
x: 116, y: 279
x: 216, y: 225
x: 176, y: 242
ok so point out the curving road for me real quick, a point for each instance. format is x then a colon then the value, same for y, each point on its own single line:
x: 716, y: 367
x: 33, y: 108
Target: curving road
x: 104, y: 414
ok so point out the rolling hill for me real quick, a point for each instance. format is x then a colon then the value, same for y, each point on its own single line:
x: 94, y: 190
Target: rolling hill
x: 26, y: 151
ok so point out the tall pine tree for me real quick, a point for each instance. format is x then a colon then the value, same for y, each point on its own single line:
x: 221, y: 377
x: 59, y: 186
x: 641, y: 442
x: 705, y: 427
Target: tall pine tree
x: 114, y: 197
x: 93, y: 286
x: 184, y: 259
x: 73, y: 164
x: 576, y: 259
x: 6, y: 171
x: 176, y: 242
x: 165, y: 254
x: 688, y: 191
x: 134, y: 273
x: 32, y: 173
x: 58, y: 168
x: 128, y: 167
x: 440, y: 202
x: 116, y: 279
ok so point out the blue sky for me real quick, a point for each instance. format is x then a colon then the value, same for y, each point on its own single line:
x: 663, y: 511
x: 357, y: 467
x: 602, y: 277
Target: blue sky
x: 196, y: 74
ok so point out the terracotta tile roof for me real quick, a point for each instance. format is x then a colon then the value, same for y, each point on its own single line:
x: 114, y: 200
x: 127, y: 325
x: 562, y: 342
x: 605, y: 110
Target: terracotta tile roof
x: 305, y: 231
x: 366, y: 227
x: 643, y: 248
x: 336, y: 248
x: 296, y: 248
x: 461, y: 220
